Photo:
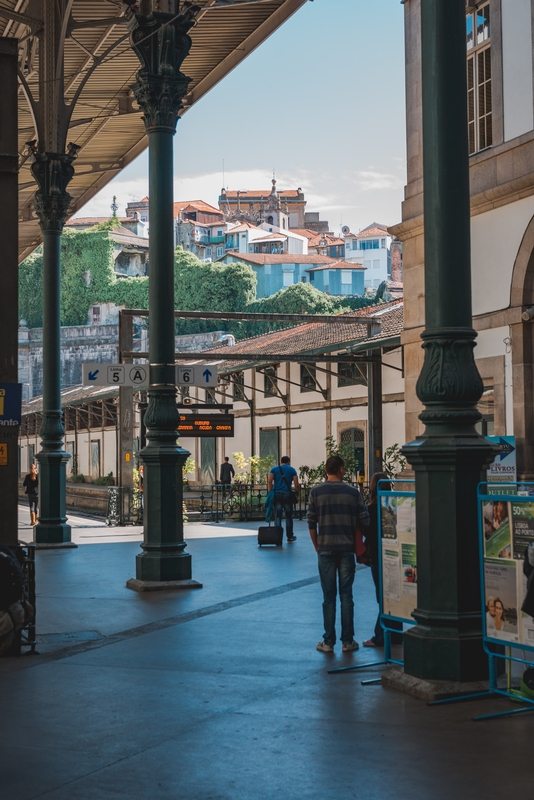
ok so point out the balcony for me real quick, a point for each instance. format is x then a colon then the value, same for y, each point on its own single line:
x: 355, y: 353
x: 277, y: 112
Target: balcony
x: 217, y: 239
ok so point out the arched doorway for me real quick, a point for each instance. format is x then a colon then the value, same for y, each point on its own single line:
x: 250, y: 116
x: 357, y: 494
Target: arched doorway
x: 355, y: 438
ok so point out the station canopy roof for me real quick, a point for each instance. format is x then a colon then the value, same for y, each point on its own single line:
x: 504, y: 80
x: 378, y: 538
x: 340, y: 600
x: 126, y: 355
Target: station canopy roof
x: 106, y: 121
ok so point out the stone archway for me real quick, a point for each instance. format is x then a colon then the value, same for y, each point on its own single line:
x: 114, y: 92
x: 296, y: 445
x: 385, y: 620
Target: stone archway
x: 522, y: 336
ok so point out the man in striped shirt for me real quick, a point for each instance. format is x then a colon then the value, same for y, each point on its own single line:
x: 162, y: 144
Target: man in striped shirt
x: 335, y: 511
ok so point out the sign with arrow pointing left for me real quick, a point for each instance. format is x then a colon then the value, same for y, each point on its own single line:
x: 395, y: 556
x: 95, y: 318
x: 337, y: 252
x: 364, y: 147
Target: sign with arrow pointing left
x: 115, y: 375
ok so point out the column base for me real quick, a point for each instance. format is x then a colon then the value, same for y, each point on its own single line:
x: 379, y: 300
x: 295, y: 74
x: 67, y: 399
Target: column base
x: 435, y: 654
x: 52, y: 534
x: 55, y: 545
x: 161, y: 586
x: 153, y: 565
x: 427, y: 690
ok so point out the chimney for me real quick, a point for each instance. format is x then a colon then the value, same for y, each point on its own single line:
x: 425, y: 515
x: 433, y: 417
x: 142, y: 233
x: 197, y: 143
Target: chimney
x: 396, y: 261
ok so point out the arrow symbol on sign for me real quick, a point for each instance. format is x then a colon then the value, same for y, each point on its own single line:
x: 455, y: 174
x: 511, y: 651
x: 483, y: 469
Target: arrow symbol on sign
x: 506, y: 449
x: 207, y: 374
x: 92, y: 375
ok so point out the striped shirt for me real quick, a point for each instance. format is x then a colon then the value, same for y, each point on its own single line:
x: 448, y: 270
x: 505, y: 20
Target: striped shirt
x: 336, y: 509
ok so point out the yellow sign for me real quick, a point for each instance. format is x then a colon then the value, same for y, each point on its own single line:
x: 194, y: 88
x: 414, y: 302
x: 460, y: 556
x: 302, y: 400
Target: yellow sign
x: 3, y: 454
x: 127, y: 456
x: 2, y: 398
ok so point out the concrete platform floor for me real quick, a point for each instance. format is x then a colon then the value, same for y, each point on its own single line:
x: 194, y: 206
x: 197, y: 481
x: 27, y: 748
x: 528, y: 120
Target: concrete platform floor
x: 219, y: 693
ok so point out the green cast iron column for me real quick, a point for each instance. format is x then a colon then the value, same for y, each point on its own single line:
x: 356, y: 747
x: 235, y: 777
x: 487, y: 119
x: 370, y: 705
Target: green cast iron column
x: 449, y: 458
x: 52, y: 171
x: 161, y: 43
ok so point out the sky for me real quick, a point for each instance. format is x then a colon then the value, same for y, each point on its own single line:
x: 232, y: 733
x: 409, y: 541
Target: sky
x: 321, y: 102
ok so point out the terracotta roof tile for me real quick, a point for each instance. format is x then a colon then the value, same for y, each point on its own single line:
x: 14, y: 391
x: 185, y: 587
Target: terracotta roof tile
x: 260, y: 193
x: 285, y: 258
x: 316, y: 335
x: 198, y: 205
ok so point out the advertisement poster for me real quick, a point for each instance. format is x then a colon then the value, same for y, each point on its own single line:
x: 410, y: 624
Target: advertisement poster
x: 508, y: 536
x: 391, y: 575
x: 503, y: 469
x: 523, y: 527
x: 409, y: 569
x: 500, y: 583
x: 497, y: 533
x: 399, y: 555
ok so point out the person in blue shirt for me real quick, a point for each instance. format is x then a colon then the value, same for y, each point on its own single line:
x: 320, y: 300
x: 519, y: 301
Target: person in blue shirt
x: 283, y: 478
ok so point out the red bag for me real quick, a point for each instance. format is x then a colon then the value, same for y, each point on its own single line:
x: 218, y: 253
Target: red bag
x: 360, y: 548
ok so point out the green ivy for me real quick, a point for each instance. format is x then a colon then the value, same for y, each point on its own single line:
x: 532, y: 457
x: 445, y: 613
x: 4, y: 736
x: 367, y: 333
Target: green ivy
x: 88, y: 277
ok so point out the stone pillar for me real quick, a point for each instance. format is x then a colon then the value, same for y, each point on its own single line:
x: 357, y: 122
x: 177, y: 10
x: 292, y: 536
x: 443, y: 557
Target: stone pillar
x: 52, y: 171
x: 449, y: 457
x: 374, y: 410
x: 161, y: 43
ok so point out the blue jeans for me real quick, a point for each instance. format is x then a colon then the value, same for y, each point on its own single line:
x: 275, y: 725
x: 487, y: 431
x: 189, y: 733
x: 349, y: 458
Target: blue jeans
x: 332, y: 565
x: 282, y: 502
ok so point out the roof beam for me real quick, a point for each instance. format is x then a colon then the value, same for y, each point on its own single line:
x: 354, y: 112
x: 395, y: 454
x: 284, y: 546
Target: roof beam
x: 263, y: 358
x: 343, y: 319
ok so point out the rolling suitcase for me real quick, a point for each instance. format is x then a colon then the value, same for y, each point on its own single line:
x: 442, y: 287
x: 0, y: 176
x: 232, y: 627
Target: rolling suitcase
x: 270, y: 534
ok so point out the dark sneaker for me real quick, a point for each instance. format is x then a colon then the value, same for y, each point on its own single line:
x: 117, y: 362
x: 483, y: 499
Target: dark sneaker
x: 348, y: 646
x: 291, y: 538
x: 324, y: 647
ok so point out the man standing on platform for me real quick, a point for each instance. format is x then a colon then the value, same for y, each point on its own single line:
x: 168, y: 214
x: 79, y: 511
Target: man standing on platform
x: 227, y: 472
x: 335, y: 511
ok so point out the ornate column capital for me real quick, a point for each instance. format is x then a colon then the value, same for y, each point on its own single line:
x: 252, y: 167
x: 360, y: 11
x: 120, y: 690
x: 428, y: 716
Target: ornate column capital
x: 161, y: 43
x: 449, y: 384
x: 53, y: 172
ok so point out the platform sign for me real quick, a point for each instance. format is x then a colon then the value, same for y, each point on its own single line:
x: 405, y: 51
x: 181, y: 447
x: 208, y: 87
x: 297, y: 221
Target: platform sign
x: 10, y: 404
x: 115, y: 375
x: 206, y: 425
x: 203, y: 375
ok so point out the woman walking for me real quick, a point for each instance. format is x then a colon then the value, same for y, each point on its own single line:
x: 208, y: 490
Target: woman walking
x: 31, y: 484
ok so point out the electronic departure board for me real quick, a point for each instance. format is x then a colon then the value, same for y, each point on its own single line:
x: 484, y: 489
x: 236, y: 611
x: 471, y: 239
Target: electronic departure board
x: 206, y: 425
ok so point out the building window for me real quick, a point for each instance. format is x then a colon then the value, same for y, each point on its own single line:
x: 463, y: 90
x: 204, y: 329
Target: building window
x: 383, y: 244
x: 220, y: 252
x: 376, y: 263
x: 351, y: 374
x: 354, y: 244
x: 312, y: 277
x: 288, y: 279
x: 370, y: 244
x: 97, y: 316
x: 308, y: 382
x: 479, y: 99
x: 238, y: 381
x: 346, y: 276
x: 270, y: 382
x: 208, y: 252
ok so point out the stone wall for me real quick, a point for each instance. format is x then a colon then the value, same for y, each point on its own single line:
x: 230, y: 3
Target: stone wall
x: 86, y: 343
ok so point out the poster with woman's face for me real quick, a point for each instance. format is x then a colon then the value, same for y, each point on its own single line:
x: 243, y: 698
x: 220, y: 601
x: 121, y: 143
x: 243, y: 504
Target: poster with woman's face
x: 501, y: 615
x: 497, y: 533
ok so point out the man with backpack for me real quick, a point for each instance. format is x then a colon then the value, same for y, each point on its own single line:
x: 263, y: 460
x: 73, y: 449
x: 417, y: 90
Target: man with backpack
x: 283, y: 478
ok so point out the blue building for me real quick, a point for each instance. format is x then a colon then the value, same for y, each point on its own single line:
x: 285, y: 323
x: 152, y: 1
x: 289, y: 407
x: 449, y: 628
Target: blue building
x: 278, y: 271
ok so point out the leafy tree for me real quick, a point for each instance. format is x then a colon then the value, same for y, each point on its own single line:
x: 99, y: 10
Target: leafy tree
x: 31, y: 289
